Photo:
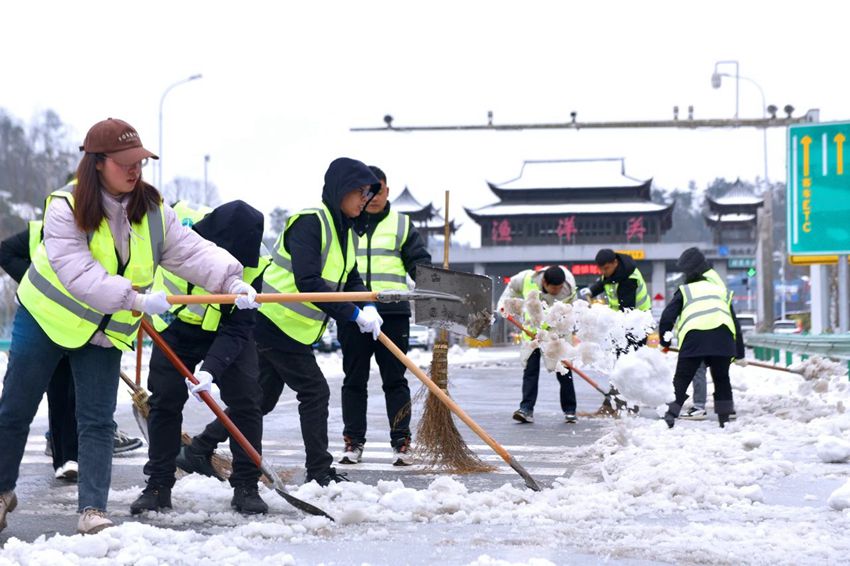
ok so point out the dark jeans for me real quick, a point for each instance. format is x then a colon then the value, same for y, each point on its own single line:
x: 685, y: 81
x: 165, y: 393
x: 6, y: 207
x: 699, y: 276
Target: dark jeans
x: 301, y: 373
x: 61, y: 403
x: 33, y: 358
x: 357, y: 351
x: 719, y: 366
x: 530, y: 377
x: 240, y: 391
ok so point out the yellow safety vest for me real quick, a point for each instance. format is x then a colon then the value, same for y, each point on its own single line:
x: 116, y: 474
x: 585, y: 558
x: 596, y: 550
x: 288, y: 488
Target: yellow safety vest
x: 379, y: 256
x: 207, y: 316
x: 705, y: 306
x: 35, y: 235
x: 188, y: 214
x: 70, y: 323
x: 642, y: 301
x: 305, y: 322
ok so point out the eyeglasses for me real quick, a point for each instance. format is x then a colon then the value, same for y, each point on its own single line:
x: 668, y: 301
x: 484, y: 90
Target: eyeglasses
x: 140, y: 164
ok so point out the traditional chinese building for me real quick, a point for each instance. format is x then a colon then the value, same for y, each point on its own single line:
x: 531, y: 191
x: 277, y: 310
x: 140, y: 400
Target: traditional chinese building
x: 427, y: 219
x: 732, y: 216
x: 572, y: 202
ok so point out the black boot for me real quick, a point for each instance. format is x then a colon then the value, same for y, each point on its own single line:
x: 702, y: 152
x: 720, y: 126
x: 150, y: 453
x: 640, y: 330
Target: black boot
x: 196, y: 463
x: 325, y: 477
x: 247, y: 500
x: 673, y: 410
x: 722, y: 419
x: 153, y: 498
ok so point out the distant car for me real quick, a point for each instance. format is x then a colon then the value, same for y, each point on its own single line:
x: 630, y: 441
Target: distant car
x: 787, y: 326
x: 747, y: 322
x: 420, y: 336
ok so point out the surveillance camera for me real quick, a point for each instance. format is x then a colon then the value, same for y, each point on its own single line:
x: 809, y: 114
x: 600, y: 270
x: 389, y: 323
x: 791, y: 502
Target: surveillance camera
x: 789, y: 110
x: 573, y: 115
x: 771, y: 109
x: 388, y: 120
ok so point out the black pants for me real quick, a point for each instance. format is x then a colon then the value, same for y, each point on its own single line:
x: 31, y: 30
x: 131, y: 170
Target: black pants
x: 530, y: 377
x: 240, y: 391
x: 301, y: 373
x: 719, y: 366
x: 357, y: 351
x: 61, y: 414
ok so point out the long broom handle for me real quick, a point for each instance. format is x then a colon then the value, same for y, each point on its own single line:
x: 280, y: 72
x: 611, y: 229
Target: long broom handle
x: 753, y: 363
x: 332, y: 297
x: 235, y: 433
x: 139, y: 358
x: 565, y: 363
x: 453, y: 407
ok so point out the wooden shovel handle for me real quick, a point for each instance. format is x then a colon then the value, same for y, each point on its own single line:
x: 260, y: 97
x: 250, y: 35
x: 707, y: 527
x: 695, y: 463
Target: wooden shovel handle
x: 445, y: 399
x: 516, y: 323
x: 235, y: 433
x: 226, y: 299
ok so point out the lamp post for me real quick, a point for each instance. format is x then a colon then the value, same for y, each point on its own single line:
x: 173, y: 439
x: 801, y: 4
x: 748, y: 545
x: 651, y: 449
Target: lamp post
x: 161, y: 101
x: 206, y: 163
x: 764, y: 247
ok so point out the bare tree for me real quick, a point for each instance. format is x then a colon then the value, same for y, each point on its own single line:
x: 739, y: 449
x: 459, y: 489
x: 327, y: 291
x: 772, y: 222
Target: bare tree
x: 191, y: 190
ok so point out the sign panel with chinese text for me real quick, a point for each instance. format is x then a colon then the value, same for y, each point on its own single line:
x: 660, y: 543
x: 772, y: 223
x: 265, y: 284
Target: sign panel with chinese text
x: 818, y: 192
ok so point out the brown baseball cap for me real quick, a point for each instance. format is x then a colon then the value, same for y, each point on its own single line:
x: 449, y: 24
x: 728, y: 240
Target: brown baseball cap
x: 116, y: 139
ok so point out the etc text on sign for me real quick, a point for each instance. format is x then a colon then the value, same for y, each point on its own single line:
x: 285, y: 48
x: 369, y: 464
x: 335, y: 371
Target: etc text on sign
x: 818, y: 189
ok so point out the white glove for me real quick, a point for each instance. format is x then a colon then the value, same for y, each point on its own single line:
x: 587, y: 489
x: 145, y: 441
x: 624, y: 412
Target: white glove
x: 248, y: 297
x: 741, y: 363
x: 151, y: 303
x: 205, y: 380
x: 584, y: 294
x: 369, y: 320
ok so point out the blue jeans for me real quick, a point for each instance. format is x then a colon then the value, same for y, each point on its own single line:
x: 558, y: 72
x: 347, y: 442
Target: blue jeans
x: 33, y: 358
x: 700, y: 388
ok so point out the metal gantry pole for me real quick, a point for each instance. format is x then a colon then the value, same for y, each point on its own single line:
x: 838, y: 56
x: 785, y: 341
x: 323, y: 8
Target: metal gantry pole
x: 843, y: 313
x: 161, y: 102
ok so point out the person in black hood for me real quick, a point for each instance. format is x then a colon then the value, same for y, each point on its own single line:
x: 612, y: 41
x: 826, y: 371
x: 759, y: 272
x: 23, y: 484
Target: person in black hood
x: 388, y: 249
x: 220, y: 337
x: 708, y: 332
x: 314, y: 253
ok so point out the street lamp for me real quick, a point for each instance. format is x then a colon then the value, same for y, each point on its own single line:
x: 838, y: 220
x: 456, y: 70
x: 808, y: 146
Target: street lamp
x: 715, y: 79
x: 206, y: 162
x: 161, y: 101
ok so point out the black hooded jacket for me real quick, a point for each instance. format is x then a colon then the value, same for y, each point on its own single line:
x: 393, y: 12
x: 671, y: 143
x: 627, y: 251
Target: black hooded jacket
x: 626, y: 288
x: 238, y: 228
x: 701, y: 343
x: 413, y: 253
x: 15, y: 255
x: 303, y: 241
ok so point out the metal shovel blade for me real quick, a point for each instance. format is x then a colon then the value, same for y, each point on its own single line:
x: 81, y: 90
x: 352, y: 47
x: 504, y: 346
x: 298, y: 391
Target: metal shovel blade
x: 471, y: 316
x: 308, y: 508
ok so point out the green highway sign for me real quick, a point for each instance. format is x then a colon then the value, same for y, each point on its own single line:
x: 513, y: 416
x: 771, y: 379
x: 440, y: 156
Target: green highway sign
x: 818, y: 192
x: 751, y: 272
x: 740, y: 262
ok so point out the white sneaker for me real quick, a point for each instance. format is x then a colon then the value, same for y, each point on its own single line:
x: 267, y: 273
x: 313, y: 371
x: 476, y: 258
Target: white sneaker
x: 8, y: 502
x: 402, y: 454
x: 69, y: 471
x: 694, y: 414
x: 93, y: 521
x: 353, y: 452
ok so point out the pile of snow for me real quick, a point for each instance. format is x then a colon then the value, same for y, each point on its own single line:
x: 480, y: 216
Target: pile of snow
x: 645, y: 377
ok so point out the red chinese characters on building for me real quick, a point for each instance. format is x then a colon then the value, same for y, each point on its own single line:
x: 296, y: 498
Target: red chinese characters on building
x: 585, y: 269
x: 567, y: 228
x: 500, y: 231
x: 635, y: 228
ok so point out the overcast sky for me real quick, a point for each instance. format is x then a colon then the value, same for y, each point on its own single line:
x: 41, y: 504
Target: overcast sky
x: 284, y: 81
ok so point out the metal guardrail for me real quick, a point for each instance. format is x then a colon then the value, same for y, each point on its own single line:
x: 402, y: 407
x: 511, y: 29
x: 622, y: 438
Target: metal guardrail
x: 769, y: 347
x: 4, y: 345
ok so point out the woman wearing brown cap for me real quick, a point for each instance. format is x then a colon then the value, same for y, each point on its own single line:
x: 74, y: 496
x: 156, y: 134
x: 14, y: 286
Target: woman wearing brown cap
x: 103, y: 240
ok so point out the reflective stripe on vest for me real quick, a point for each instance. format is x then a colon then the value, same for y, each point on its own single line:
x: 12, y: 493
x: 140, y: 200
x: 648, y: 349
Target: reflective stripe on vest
x: 305, y: 322
x: 70, y: 323
x: 705, y: 306
x: 642, y: 301
x: 379, y: 255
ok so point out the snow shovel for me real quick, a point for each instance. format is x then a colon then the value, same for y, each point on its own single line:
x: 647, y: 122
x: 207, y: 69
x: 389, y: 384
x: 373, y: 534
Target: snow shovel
x: 471, y: 316
x: 235, y: 433
x: 455, y: 408
x: 611, y: 398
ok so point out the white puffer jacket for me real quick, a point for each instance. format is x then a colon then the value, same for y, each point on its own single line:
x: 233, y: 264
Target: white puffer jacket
x: 184, y: 253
